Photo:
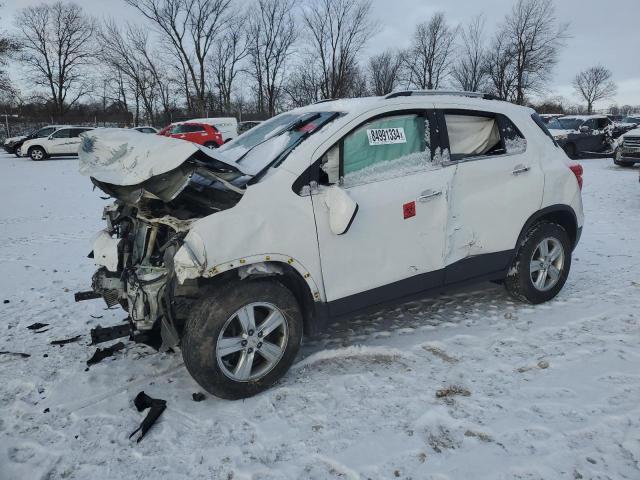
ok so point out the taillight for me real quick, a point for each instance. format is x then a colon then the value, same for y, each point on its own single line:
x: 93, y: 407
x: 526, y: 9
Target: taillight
x: 577, y: 170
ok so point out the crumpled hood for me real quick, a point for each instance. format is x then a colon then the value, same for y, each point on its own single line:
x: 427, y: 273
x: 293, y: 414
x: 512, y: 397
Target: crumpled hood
x: 126, y: 157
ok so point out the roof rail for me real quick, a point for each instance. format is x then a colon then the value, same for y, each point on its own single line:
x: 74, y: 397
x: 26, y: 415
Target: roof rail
x: 324, y: 100
x: 409, y: 93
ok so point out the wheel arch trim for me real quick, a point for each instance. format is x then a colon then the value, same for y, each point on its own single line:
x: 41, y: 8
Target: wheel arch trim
x: 561, y: 214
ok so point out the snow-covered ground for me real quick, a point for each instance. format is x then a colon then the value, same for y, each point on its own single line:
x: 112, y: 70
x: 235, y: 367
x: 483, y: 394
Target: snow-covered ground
x: 468, y: 385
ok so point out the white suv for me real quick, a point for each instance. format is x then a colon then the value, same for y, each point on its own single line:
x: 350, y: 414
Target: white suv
x: 64, y: 141
x: 320, y: 212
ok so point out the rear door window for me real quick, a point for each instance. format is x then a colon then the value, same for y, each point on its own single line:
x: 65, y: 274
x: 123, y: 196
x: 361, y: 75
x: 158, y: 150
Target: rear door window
x: 64, y: 133
x: 476, y: 134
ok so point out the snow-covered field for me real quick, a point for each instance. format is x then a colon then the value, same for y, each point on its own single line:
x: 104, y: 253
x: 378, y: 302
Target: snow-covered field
x: 468, y: 385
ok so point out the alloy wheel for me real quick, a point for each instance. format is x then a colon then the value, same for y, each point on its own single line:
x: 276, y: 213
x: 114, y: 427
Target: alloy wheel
x: 546, y: 264
x: 252, y: 342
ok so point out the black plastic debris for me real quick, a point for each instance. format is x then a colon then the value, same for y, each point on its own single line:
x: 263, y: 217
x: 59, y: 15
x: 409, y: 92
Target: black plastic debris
x: 6, y: 301
x: 17, y: 354
x: 37, y: 326
x: 106, y: 334
x: 198, y: 397
x: 102, y: 353
x: 66, y: 340
x: 155, y: 405
x: 46, y: 410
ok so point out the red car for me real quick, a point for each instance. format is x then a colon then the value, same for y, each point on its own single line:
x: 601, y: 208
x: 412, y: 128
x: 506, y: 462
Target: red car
x: 200, y: 133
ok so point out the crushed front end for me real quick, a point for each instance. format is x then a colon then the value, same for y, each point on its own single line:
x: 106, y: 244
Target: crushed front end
x: 145, y: 228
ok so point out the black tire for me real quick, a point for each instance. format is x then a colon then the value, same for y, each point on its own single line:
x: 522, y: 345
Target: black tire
x: 570, y: 150
x: 519, y: 282
x: 37, y: 153
x: 207, y: 320
x: 211, y: 145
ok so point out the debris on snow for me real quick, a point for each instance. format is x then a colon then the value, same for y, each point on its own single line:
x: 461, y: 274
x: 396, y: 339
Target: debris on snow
x: 17, y: 354
x: 66, y: 340
x: 198, y: 397
x: 102, y: 353
x: 37, y: 326
x: 155, y: 405
x: 452, y: 391
x: 441, y: 354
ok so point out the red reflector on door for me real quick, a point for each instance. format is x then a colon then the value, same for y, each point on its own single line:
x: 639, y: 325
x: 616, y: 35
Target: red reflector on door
x: 409, y: 210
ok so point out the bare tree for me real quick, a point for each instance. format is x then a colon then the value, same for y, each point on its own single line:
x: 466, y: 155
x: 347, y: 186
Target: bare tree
x: 7, y: 47
x: 190, y: 27
x: 534, y: 36
x: 594, y: 84
x: 121, y: 54
x: 500, y: 67
x: 337, y: 32
x: 384, y: 71
x: 431, y: 53
x: 303, y: 85
x: 470, y: 70
x: 57, y: 46
x: 231, y: 49
x: 272, y: 33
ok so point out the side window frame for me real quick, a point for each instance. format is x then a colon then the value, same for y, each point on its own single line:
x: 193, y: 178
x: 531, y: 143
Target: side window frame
x: 312, y: 173
x: 502, y: 120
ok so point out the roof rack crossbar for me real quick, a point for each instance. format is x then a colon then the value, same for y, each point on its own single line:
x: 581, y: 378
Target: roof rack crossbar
x: 409, y: 93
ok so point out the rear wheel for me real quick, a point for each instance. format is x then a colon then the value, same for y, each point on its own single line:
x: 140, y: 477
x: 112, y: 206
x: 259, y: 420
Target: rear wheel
x: 37, y: 154
x: 242, y: 339
x: 541, y: 265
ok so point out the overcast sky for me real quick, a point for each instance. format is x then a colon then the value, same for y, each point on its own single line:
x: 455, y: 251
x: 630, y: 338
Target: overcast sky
x: 603, y: 32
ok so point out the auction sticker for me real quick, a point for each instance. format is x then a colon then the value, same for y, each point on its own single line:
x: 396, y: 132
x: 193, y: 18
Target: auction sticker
x: 386, y: 136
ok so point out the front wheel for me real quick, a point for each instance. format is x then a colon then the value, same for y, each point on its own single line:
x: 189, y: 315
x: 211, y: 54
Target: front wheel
x: 541, y: 265
x: 37, y: 154
x: 241, y: 340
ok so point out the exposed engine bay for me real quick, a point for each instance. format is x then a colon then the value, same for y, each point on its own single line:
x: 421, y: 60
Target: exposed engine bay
x: 145, y: 227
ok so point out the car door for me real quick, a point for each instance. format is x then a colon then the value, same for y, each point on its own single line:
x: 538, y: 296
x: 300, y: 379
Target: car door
x: 591, y: 141
x: 395, y: 244
x: 72, y: 144
x: 55, y: 143
x: 498, y: 185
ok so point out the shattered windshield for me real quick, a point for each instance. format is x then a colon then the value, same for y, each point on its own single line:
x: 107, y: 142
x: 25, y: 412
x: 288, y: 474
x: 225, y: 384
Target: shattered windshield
x: 262, y: 145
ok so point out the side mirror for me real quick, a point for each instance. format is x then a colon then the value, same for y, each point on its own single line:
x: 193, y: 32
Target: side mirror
x: 342, y: 209
x: 584, y: 129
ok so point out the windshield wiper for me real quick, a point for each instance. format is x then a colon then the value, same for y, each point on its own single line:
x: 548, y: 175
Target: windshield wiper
x: 287, y: 128
x: 285, y: 153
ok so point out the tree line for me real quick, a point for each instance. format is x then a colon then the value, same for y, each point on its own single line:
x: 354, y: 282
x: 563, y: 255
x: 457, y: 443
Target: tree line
x: 186, y: 58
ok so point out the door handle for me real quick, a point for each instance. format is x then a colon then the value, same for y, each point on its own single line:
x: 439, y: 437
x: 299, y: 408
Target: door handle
x: 520, y: 169
x: 428, y: 195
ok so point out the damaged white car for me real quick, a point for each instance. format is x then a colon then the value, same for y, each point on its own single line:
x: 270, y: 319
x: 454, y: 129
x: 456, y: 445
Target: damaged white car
x: 233, y: 254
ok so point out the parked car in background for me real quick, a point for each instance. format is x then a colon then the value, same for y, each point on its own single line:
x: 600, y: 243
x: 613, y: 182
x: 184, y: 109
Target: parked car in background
x: 234, y: 253
x: 9, y: 143
x: 547, y: 117
x: 628, y: 152
x: 146, y: 129
x: 580, y: 135
x: 227, y: 126
x: 246, y: 126
x: 63, y: 142
x: 200, y: 133
x: 14, y: 146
